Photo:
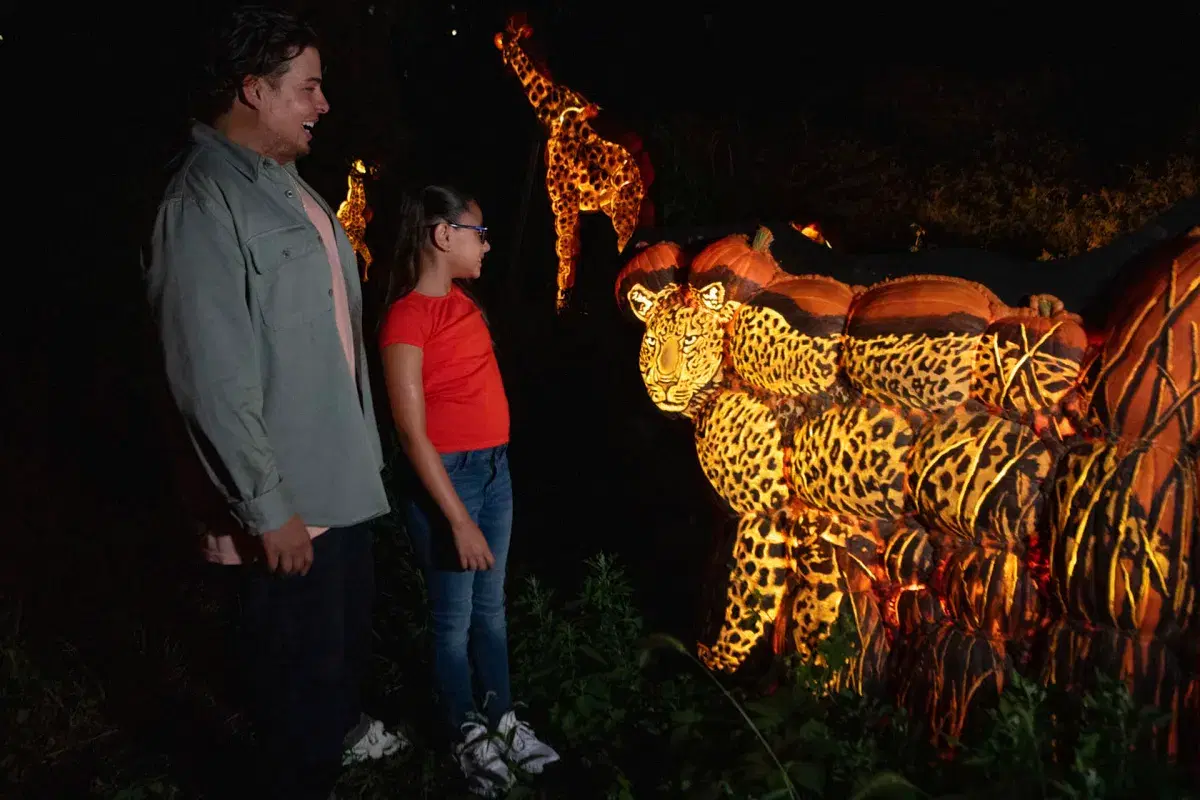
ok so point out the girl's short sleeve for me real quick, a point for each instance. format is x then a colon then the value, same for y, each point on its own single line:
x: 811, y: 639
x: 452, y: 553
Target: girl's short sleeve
x: 406, y: 323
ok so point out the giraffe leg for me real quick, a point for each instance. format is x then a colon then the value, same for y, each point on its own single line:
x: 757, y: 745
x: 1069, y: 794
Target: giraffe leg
x: 566, y: 225
x: 757, y: 583
x: 366, y: 255
x: 626, y: 210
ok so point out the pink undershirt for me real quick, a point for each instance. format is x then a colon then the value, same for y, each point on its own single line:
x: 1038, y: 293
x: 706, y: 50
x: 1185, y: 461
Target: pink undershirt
x: 223, y: 549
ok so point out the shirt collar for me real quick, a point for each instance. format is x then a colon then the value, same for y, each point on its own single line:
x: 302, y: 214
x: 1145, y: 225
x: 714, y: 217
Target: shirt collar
x: 247, y: 161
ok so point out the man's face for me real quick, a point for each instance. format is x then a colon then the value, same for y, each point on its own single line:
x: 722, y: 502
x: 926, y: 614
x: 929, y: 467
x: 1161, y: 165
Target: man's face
x: 289, y: 107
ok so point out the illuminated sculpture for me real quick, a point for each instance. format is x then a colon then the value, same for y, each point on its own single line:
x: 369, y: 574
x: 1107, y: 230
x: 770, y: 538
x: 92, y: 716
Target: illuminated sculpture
x: 966, y: 482
x: 811, y: 231
x: 584, y: 173
x: 354, y: 213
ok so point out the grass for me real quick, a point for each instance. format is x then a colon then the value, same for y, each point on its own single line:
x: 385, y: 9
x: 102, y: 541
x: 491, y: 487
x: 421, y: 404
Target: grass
x: 633, y: 712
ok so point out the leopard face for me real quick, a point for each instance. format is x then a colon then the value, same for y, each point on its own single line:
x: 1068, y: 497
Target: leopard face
x: 683, y: 346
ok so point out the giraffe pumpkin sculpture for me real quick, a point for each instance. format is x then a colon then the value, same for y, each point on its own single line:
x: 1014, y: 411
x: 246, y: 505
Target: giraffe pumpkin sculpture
x: 584, y: 172
x: 354, y: 213
x: 966, y: 482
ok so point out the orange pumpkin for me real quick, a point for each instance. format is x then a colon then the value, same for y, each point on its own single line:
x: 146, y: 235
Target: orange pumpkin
x: 654, y: 267
x: 1040, y: 351
x: 1150, y: 355
x: 808, y: 301
x: 743, y: 266
x: 931, y: 305
x: 1045, y: 317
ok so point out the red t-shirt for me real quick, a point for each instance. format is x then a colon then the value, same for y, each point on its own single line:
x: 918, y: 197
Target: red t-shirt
x: 465, y: 404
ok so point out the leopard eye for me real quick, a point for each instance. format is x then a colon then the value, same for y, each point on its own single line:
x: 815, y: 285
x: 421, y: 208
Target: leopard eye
x: 689, y: 340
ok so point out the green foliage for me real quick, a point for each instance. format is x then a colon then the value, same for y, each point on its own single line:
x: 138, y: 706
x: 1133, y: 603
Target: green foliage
x: 635, y: 715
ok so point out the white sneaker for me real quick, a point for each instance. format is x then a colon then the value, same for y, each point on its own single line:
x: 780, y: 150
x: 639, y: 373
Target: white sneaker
x: 522, y: 747
x: 374, y: 743
x: 482, y: 762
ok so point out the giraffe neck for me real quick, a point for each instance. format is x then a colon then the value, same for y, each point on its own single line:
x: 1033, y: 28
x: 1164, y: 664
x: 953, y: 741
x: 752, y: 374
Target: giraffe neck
x: 356, y: 195
x: 548, y: 100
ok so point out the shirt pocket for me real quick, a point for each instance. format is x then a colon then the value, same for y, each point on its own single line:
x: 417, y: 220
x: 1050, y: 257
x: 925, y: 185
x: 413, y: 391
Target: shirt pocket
x: 295, y: 282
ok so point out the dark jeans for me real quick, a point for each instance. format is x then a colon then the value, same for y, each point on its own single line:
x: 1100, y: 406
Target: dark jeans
x: 469, y: 623
x: 304, y: 647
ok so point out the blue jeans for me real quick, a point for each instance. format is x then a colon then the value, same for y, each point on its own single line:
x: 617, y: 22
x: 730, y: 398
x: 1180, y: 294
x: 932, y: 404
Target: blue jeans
x: 469, y: 625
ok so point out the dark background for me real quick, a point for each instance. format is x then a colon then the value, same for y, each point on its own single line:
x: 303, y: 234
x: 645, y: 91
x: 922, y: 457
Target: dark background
x: 99, y: 106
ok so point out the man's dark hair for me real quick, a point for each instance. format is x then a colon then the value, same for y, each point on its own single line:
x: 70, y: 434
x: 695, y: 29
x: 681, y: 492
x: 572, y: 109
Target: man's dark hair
x: 253, y: 40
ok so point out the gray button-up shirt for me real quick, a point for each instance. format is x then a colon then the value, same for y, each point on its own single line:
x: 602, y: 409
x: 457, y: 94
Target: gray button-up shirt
x: 239, y: 283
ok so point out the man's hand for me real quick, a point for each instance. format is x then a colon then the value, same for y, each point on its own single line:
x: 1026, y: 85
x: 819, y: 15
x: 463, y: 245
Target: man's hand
x: 473, y: 550
x: 289, y: 548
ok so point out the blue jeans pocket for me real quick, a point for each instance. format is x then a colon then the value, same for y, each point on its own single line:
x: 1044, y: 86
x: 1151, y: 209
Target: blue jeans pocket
x: 453, y: 462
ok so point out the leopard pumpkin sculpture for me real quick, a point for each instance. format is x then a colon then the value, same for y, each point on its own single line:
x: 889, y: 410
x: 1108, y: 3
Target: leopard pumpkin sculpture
x: 966, y: 482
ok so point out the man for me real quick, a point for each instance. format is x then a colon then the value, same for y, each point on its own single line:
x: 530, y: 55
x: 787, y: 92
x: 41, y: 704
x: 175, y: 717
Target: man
x: 255, y: 290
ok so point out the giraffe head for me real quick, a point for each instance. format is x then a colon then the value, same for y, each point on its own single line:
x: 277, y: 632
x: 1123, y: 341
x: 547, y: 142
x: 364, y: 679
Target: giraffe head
x: 516, y: 30
x: 549, y: 100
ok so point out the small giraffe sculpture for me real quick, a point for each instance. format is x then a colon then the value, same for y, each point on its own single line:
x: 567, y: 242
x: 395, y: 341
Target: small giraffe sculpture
x: 584, y: 173
x: 354, y: 214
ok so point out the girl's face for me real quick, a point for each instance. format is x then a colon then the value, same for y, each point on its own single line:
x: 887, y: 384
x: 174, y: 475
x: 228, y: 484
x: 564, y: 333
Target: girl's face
x: 467, y: 244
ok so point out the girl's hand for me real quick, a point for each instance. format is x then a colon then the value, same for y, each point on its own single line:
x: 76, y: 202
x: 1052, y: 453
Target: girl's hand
x: 473, y: 550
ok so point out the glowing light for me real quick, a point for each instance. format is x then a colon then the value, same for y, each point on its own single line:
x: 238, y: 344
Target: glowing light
x: 938, y: 509
x: 812, y: 231
x: 453, y: 32
x: 354, y: 213
x: 584, y: 173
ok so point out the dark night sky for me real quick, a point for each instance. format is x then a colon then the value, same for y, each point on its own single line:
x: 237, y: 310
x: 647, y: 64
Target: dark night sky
x: 117, y: 88
x: 1115, y: 86
x: 638, y: 63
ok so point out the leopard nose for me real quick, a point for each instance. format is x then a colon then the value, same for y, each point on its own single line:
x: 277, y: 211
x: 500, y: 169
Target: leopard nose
x: 668, y: 358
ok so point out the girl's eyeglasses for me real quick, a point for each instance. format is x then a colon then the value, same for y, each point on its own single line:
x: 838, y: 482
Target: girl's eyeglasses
x: 479, y: 229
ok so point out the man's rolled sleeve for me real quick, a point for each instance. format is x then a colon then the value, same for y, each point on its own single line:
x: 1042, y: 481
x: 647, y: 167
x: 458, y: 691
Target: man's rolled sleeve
x: 197, y: 286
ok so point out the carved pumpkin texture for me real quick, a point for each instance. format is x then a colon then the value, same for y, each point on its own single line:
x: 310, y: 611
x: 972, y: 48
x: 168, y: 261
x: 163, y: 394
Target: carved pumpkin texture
x: 921, y: 460
x: 745, y: 268
x: 585, y: 172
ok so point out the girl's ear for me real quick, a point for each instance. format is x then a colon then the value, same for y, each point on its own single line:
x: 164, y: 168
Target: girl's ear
x: 441, y: 236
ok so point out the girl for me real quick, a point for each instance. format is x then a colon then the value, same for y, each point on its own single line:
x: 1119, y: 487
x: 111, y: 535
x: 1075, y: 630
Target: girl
x: 451, y: 413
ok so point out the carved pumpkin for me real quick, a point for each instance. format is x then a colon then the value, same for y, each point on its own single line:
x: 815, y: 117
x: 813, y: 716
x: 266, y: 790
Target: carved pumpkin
x: 585, y: 173
x: 742, y: 266
x: 911, y: 342
x: 890, y: 455
x: 803, y: 318
x: 654, y: 268
x: 1149, y: 366
x: 1031, y: 358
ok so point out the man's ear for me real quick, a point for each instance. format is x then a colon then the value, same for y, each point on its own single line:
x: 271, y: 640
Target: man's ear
x: 251, y: 90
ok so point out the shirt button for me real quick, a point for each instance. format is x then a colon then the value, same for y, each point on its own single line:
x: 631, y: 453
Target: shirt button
x: 290, y: 193
x: 331, y: 292
x: 287, y: 253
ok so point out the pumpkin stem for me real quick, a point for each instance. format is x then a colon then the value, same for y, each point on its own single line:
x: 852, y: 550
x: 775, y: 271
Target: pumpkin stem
x: 762, y: 239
